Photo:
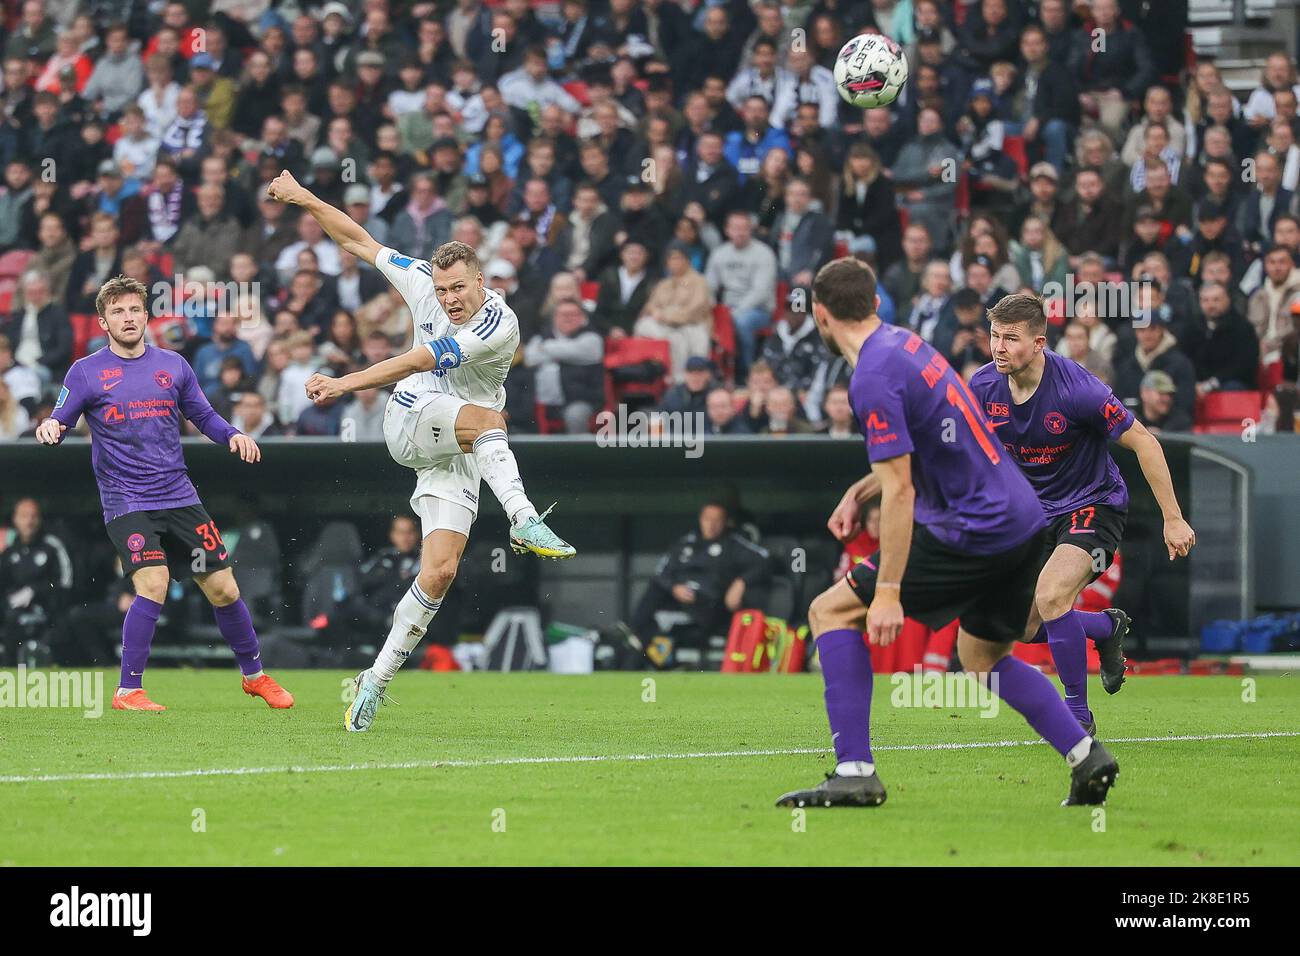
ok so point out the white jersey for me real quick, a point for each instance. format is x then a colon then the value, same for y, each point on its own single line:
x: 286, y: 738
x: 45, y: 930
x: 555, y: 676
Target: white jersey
x: 474, y: 356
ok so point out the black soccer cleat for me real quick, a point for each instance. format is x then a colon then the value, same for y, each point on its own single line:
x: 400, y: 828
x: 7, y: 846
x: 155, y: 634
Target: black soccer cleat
x: 837, y: 791
x: 1092, y: 778
x: 1111, y: 651
x: 1090, y: 728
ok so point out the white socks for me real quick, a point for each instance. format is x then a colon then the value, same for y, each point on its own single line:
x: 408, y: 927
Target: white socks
x: 414, y: 612
x: 497, y: 464
x: 1078, y: 752
x: 855, y: 768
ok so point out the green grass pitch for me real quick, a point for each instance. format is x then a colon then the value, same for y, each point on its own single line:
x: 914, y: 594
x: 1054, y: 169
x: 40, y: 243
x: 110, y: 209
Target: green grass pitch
x: 471, y: 775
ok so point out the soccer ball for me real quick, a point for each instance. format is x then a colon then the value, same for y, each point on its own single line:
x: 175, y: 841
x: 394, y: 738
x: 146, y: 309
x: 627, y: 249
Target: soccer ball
x: 870, y: 70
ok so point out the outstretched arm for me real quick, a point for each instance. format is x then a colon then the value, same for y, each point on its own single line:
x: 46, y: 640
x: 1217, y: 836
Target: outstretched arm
x: 349, y: 235
x: 1179, y: 536
x: 322, y: 389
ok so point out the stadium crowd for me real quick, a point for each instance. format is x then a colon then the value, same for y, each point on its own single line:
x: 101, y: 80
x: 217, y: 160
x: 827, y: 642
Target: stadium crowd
x: 652, y: 185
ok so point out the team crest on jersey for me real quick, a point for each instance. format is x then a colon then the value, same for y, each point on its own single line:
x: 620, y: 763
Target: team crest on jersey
x: 163, y: 379
x: 1054, y: 422
x: 448, y: 360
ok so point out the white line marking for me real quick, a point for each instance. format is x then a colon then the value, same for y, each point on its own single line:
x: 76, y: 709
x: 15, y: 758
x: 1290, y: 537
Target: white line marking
x: 595, y: 758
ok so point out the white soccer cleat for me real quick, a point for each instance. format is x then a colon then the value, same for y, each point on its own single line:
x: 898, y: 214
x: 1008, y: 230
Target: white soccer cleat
x: 361, y: 712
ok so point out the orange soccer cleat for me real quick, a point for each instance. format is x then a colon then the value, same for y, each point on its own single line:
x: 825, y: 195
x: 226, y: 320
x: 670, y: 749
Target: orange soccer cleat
x: 271, y: 692
x: 136, y: 700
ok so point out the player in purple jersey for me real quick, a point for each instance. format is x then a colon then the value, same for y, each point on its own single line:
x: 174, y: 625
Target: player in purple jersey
x: 960, y: 537
x: 1056, y: 420
x: 133, y: 396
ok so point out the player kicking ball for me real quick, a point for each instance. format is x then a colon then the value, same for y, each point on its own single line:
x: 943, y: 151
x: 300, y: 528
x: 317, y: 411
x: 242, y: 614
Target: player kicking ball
x: 443, y: 420
x: 1055, y: 419
x: 133, y: 396
x: 961, y: 537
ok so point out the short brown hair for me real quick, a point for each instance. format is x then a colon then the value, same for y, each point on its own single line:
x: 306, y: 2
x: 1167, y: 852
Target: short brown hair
x: 847, y: 288
x: 1021, y: 307
x: 450, y: 253
x: 115, y: 288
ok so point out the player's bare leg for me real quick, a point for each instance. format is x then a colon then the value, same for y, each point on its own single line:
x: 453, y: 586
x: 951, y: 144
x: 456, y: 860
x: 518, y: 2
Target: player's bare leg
x: 236, y: 626
x: 836, y: 618
x: 141, y: 620
x: 1092, y: 768
x: 439, y: 558
x: 481, y: 432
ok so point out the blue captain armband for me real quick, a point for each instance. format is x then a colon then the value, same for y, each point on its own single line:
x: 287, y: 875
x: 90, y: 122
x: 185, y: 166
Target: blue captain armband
x: 445, y: 351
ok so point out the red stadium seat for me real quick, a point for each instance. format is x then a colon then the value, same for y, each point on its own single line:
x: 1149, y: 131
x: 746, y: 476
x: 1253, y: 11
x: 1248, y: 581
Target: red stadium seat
x: 631, y: 351
x: 841, y: 248
x: 961, y: 201
x: 782, y: 295
x: 1014, y: 147
x: 723, y: 351
x: 85, y: 326
x: 1225, y: 411
x: 589, y: 290
x: 14, y: 263
x: 578, y: 90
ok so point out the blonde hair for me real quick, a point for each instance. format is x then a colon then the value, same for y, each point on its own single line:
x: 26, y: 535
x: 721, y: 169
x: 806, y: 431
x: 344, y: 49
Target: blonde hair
x: 450, y: 253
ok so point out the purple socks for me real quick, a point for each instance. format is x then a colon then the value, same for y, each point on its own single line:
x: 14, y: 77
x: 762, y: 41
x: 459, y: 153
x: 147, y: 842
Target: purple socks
x: 1097, y: 627
x: 1065, y: 639
x: 846, y: 669
x: 1034, y: 698
x: 137, y: 637
x: 236, y: 626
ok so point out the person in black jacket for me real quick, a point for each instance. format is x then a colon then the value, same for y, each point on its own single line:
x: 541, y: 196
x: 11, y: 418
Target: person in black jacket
x: 867, y: 207
x: 1115, y: 77
x: 623, y: 291
x: 35, y: 579
x: 1156, y: 351
x: 707, y: 574
x: 40, y: 333
x: 1227, y: 356
x: 710, y: 180
x: 1051, y: 97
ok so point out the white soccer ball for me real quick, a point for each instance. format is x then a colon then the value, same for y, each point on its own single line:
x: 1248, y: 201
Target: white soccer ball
x: 870, y: 70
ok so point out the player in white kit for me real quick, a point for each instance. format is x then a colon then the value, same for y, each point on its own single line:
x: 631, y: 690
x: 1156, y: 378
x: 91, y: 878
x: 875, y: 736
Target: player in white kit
x: 443, y: 420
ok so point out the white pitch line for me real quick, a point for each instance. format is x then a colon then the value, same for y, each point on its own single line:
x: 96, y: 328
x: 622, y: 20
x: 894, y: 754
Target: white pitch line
x: 595, y: 758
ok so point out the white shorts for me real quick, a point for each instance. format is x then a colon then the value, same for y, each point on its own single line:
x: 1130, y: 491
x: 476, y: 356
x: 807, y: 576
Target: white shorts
x: 420, y: 430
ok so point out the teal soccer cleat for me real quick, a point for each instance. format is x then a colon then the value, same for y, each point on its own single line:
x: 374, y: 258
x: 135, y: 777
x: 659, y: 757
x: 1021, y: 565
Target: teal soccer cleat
x: 361, y: 712
x: 534, y: 536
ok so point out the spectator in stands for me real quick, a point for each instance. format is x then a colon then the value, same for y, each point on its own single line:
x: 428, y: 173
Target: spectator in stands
x: 1142, y: 241
x: 1039, y: 257
x: 100, y: 260
x: 926, y: 176
x: 118, y: 77
x: 679, y: 309
x: 803, y: 238
x: 24, y: 383
x: 591, y: 237
x: 720, y: 417
x: 707, y: 574
x: 1114, y: 78
x: 690, y: 395
x: 1226, y: 358
x: 363, y: 415
x: 225, y: 343
x: 424, y: 224
x: 1261, y: 206
x: 210, y: 237
x: 905, y: 278
x: 320, y: 420
x: 794, y: 350
x: 35, y: 577
x: 168, y: 201
x: 710, y: 179
x: 742, y: 274
x: 39, y: 329
x: 1279, y: 73
x: 186, y: 139
x: 311, y: 237
x: 568, y: 366
x: 1156, y: 151
x: 34, y: 37
x: 253, y: 418
x: 965, y: 338
x: 782, y: 414
x: 1156, y: 407
x: 14, y: 420
x: 1157, y: 110
x: 1214, y: 233
x: 980, y: 279
x: 624, y: 290
x: 1075, y: 345
x: 1171, y: 204
x: 745, y: 148
x: 1270, y: 306
x: 839, y: 420
x: 1050, y: 114
x: 933, y: 308
x: 1156, y: 351
x: 867, y: 215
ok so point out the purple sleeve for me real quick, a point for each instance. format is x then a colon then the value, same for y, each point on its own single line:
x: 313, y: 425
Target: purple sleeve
x: 882, y: 412
x: 72, y: 397
x: 1097, y: 406
x: 196, y: 407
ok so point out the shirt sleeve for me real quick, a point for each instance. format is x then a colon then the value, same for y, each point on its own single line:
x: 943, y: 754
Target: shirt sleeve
x: 195, y: 406
x: 1098, y: 407
x: 881, y: 410
x: 493, y: 333
x: 412, y: 277
x: 73, y: 397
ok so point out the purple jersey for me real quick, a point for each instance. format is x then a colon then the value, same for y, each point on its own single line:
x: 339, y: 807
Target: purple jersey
x: 908, y: 399
x: 134, y: 408
x: 1059, y: 436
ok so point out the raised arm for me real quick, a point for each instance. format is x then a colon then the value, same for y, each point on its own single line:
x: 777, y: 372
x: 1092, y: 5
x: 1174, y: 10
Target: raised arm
x: 348, y: 234
x: 323, y: 389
